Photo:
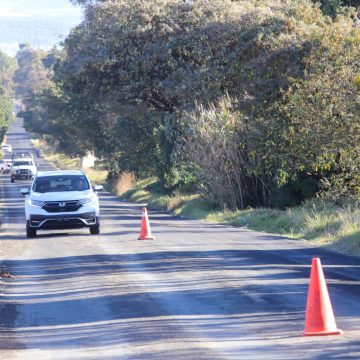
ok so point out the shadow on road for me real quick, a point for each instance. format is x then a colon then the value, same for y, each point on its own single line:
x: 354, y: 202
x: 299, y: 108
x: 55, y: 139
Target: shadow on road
x: 221, y: 294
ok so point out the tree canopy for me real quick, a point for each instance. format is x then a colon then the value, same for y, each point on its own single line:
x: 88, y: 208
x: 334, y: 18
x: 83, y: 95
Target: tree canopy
x: 7, y: 68
x: 254, y: 99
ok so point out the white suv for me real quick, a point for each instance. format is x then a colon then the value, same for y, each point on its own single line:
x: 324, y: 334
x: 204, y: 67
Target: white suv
x: 22, y: 169
x: 61, y: 200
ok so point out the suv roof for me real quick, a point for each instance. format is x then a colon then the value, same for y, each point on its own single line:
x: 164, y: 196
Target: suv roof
x: 23, y: 159
x: 59, y: 172
x: 22, y: 154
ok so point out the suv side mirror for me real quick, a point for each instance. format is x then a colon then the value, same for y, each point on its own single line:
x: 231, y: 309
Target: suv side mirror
x: 25, y: 191
x: 98, y: 187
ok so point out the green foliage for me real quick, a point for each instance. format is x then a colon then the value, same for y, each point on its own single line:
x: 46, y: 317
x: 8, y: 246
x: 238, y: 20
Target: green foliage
x: 30, y: 75
x: 331, y: 7
x: 295, y: 191
x: 258, y: 101
x: 7, y: 68
x: 321, y: 112
x: 165, y: 169
x: 304, y: 132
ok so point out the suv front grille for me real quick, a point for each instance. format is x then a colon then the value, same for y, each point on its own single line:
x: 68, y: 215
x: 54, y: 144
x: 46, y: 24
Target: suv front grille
x: 57, y: 221
x: 24, y: 172
x: 62, y: 206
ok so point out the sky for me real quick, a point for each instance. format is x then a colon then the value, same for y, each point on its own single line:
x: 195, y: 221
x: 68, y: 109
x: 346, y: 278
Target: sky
x: 42, y: 23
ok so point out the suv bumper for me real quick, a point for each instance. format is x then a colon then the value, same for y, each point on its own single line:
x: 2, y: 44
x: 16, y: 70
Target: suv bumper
x: 22, y: 176
x: 63, y: 221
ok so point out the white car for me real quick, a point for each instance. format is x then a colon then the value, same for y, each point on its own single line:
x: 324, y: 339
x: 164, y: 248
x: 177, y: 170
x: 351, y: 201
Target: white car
x: 23, y: 169
x: 61, y: 199
x: 6, y: 147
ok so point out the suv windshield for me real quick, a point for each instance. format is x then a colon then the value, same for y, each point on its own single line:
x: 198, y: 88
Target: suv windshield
x: 21, y: 163
x: 61, y: 183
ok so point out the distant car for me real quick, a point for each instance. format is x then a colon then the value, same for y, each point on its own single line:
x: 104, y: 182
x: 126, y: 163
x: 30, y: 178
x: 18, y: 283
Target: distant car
x: 61, y: 199
x: 23, y: 169
x: 6, y: 147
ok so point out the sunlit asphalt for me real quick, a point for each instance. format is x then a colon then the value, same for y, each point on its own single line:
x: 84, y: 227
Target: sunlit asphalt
x: 198, y: 291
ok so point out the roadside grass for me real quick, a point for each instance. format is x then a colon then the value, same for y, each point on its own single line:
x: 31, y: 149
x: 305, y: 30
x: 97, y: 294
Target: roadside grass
x: 174, y: 202
x: 321, y: 222
x: 60, y: 161
x: 97, y: 175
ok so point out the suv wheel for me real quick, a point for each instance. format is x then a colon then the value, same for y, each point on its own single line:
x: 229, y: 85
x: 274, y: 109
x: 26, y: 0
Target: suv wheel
x: 95, y: 229
x: 30, y: 232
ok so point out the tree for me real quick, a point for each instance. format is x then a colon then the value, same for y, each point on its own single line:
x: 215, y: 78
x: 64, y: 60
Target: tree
x: 163, y: 55
x: 31, y: 74
x: 143, y: 83
x: 7, y: 68
x: 321, y: 113
x: 308, y: 135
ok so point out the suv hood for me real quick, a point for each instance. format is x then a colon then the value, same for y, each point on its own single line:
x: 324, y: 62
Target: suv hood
x: 23, y: 167
x: 62, y: 196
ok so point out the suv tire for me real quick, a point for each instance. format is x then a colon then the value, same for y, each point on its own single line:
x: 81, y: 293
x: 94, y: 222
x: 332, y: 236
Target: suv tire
x: 95, y: 229
x: 30, y: 232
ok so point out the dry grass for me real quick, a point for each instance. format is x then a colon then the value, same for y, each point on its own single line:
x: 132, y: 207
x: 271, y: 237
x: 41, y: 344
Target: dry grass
x: 60, y: 161
x: 64, y: 162
x: 96, y: 175
x: 125, y: 182
x: 321, y: 222
x: 174, y: 202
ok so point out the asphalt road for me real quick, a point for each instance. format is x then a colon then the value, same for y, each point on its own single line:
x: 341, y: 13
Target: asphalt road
x: 198, y: 291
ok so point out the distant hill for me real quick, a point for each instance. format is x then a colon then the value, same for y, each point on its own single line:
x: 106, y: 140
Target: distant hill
x: 41, y: 23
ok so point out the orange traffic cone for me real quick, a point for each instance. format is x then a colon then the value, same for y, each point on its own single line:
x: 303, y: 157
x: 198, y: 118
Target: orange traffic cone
x: 145, y: 232
x: 320, y: 318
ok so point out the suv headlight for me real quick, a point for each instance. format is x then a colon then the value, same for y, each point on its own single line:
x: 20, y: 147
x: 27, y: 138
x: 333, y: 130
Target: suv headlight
x: 17, y: 171
x: 87, y: 200
x: 37, y: 203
